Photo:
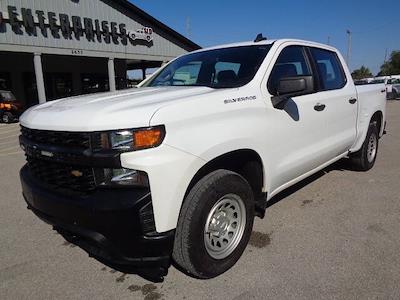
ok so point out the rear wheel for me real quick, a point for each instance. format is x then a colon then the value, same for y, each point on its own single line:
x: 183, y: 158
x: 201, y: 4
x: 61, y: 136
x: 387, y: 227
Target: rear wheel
x: 364, y: 159
x: 215, y: 224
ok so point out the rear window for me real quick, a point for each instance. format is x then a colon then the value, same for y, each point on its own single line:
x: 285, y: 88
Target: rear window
x: 329, y: 68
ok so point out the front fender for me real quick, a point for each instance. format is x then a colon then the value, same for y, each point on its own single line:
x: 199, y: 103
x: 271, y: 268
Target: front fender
x: 170, y: 171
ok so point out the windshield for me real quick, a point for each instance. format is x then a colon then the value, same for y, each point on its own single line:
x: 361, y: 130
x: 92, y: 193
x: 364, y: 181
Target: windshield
x: 6, y: 96
x: 218, y: 68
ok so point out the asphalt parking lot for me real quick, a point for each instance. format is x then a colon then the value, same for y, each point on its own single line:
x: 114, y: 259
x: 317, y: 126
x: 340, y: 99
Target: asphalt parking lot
x: 334, y: 236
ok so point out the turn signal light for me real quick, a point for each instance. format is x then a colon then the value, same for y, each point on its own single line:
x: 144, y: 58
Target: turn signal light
x: 148, y: 138
x: 5, y: 106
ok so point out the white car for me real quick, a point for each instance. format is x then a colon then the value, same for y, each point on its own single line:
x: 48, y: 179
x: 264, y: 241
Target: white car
x: 390, y: 82
x: 178, y: 168
x: 393, y: 88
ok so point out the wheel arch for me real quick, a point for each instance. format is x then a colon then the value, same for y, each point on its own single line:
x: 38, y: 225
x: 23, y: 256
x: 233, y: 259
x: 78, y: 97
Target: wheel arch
x: 378, y: 118
x: 245, y: 162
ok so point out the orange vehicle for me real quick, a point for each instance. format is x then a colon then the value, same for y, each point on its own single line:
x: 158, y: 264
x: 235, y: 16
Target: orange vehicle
x: 10, y: 108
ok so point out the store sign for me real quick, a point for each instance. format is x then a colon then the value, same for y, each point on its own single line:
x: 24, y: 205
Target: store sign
x: 69, y: 26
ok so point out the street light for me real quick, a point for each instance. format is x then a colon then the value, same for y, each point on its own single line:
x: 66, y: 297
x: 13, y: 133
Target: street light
x: 348, y: 48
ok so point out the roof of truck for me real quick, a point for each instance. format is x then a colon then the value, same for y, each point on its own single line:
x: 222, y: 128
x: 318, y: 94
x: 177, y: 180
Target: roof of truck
x: 269, y: 42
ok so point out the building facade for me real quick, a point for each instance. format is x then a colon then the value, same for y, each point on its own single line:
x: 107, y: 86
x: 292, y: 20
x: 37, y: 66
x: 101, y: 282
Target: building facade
x: 51, y: 49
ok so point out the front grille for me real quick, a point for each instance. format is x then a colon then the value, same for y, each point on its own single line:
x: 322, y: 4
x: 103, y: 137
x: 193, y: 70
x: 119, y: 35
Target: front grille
x: 57, y: 138
x: 61, y: 176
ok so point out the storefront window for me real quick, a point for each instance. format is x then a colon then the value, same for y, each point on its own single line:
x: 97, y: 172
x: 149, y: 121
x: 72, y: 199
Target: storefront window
x: 94, y: 83
x: 58, y: 85
x: 5, y: 82
x: 30, y: 89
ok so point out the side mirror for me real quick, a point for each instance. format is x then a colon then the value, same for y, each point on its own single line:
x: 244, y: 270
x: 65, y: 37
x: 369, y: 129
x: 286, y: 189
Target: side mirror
x: 292, y: 86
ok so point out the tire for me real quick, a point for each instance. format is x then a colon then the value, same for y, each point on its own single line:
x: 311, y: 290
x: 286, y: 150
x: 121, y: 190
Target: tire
x: 205, y: 208
x: 7, y: 117
x: 364, y: 159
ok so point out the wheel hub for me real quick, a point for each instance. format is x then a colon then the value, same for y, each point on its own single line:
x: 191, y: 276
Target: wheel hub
x: 371, y: 148
x: 219, y: 223
x: 224, y: 226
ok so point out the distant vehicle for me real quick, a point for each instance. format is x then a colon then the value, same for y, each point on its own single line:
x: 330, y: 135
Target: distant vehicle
x: 389, y: 81
x: 396, y: 90
x: 10, y: 108
x: 362, y: 81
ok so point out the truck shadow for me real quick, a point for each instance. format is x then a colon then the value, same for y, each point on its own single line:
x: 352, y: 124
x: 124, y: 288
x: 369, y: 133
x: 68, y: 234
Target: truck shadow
x: 341, y: 165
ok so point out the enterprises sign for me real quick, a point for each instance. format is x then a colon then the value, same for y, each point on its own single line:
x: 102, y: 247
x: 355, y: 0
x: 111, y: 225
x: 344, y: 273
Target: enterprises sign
x: 69, y: 27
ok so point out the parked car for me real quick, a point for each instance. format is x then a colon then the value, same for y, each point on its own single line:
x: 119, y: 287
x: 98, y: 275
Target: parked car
x: 178, y: 168
x: 389, y: 81
x: 396, y: 90
x: 10, y: 108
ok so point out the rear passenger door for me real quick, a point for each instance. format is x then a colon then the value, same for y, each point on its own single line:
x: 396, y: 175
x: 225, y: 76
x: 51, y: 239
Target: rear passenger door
x: 340, y: 99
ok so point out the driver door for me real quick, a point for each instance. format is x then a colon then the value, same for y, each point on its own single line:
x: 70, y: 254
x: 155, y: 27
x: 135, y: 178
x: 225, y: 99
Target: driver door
x: 298, y: 129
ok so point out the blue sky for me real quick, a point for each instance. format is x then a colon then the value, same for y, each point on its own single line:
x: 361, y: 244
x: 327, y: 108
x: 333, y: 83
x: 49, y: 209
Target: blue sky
x: 375, y: 24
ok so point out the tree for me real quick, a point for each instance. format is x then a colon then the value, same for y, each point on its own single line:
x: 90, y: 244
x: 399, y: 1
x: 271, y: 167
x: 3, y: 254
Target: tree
x: 361, y: 73
x: 392, y: 66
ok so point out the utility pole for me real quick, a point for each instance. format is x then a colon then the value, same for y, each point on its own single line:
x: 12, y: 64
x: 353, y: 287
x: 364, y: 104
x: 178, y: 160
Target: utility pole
x: 348, y: 48
x: 188, y: 27
x: 386, y: 53
x: 329, y: 40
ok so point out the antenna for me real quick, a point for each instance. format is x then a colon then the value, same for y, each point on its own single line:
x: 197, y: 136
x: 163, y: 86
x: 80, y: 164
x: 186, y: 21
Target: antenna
x: 260, y: 38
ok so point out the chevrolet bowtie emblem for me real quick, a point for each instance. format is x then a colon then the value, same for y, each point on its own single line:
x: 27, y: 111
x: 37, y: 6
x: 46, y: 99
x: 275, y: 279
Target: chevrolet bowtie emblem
x: 76, y: 173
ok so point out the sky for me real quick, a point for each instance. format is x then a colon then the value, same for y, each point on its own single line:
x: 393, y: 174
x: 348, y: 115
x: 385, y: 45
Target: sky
x: 375, y: 25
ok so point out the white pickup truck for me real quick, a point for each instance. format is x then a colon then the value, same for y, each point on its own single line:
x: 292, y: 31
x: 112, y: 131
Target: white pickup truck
x: 177, y: 169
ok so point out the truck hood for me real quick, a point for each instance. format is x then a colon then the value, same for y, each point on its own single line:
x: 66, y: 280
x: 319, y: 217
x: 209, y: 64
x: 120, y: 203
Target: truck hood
x: 105, y: 111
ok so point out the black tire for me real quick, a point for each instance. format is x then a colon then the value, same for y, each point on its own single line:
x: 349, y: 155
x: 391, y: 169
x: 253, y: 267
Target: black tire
x: 361, y: 160
x: 190, y: 252
x: 7, y: 117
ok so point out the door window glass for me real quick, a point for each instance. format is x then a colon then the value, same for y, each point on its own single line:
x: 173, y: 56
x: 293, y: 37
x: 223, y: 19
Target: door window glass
x: 329, y: 69
x: 291, y: 62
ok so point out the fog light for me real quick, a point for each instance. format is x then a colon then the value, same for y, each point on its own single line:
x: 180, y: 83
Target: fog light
x: 126, y: 177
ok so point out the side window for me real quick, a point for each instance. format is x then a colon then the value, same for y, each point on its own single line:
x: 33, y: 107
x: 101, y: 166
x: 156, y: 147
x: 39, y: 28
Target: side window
x: 291, y: 62
x: 329, y: 68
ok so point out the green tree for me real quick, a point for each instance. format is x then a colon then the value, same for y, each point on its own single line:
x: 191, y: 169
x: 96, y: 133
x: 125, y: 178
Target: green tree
x: 392, y: 66
x: 361, y: 73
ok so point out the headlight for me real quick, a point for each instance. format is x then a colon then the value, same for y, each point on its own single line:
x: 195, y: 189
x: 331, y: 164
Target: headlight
x: 133, y: 139
x: 124, y: 177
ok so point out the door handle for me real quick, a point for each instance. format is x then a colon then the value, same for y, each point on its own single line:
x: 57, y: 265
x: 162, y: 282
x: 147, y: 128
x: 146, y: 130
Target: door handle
x: 319, y: 107
x: 352, y: 100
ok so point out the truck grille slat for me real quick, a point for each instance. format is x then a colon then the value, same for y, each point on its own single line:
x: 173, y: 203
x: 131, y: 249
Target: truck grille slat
x: 57, y: 174
x: 60, y: 138
x: 61, y: 176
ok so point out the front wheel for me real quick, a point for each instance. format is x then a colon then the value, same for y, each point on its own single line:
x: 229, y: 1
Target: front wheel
x: 364, y: 159
x: 214, y: 225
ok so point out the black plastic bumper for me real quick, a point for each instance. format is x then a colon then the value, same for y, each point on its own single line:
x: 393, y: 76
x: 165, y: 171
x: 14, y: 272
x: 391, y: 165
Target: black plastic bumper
x: 106, y: 224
